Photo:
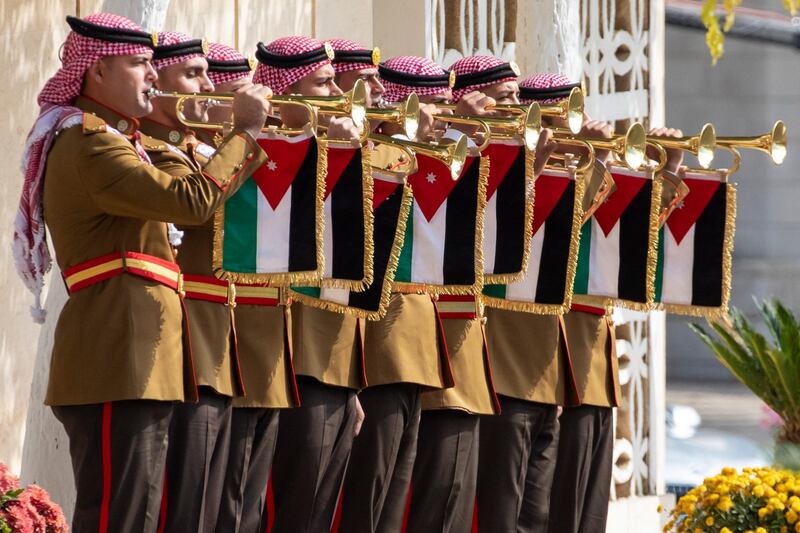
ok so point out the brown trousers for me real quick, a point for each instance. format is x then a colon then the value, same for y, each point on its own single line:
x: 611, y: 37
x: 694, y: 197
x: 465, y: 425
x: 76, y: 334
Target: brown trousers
x: 314, y: 442
x: 118, y: 452
x: 582, y: 484
x: 445, y: 473
x: 376, y: 486
x: 516, y: 466
x: 254, y: 432
x: 199, y: 438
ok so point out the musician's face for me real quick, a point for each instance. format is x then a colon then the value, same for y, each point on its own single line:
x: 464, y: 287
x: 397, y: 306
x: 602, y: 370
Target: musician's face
x: 223, y: 113
x: 503, y: 93
x: 190, y: 76
x: 122, y: 82
x: 318, y: 83
x: 443, y: 98
x: 369, y: 76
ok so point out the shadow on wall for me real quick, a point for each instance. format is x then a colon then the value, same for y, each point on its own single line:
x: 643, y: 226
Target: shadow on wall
x: 29, y: 42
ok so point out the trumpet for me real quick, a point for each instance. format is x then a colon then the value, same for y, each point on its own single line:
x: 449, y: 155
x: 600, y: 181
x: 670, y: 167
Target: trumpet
x: 773, y: 143
x: 351, y: 103
x: 701, y: 145
x: 569, y: 109
x: 630, y: 147
x: 451, y: 153
x: 525, y: 125
x: 406, y: 115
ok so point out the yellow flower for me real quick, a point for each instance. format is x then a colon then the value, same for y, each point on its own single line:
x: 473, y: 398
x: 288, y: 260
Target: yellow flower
x: 725, y: 530
x: 761, y: 530
x: 762, y: 512
x: 758, y: 491
x: 791, y: 517
x: 710, y: 521
x: 660, y: 508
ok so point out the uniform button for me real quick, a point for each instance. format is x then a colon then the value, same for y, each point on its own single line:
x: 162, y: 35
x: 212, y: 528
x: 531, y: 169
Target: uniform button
x: 122, y: 125
x: 174, y: 136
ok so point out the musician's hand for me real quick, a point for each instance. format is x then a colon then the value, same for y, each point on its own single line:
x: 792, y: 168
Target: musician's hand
x: 598, y: 129
x: 426, y: 122
x: 475, y: 104
x: 674, y: 155
x: 544, y: 148
x: 343, y: 128
x: 250, y: 108
x: 359, y: 418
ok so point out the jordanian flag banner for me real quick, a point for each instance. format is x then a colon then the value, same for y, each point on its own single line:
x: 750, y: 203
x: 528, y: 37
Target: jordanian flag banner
x: 347, y: 238
x: 618, y: 244
x: 509, y: 210
x: 546, y: 286
x: 443, y: 249
x: 391, y: 205
x: 695, y: 246
x: 271, y: 230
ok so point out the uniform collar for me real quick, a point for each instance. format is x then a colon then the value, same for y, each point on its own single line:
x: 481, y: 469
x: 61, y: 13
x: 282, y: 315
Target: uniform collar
x: 176, y: 137
x: 122, y: 123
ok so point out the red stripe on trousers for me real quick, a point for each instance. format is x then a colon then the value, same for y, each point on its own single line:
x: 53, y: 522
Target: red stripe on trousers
x: 408, y: 508
x: 269, y: 506
x: 106, y: 453
x: 162, y: 513
x: 475, y: 516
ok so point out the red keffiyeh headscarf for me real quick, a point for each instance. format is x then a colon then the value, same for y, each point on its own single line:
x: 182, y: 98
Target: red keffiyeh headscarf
x: 175, y: 47
x: 476, y: 72
x: 287, y: 60
x: 406, y: 74
x: 545, y: 87
x: 349, y: 55
x: 96, y: 36
x: 227, y: 64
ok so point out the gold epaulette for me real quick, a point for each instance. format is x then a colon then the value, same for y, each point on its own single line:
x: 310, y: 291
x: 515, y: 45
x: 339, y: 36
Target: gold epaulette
x: 93, y: 124
x: 151, y: 144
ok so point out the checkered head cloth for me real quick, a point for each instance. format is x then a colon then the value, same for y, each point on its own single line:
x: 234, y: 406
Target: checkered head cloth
x: 546, y: 88
x: 406, y: 74
x: 226, y: 64
x: 175, y: 47
x: 349, y: 55
x: 287, y: 60
x: 96, y: 36
x: 476, y: 72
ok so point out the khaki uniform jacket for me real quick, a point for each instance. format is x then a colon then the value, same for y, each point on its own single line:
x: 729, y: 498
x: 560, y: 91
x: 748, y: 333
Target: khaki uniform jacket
x: 328, y: 346
x: 263, y: 341
x: 529, y: 357
x: 407, y: 345
x: 473, y: 391
x: 122, y: 338
x: 211, y: 330
x: 593, y: 353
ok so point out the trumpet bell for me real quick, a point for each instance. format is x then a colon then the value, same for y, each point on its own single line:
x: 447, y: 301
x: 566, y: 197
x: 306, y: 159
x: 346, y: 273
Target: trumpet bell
x: 706, y: 143
x: 777, y: 148
x: 635, y: 145
x: 575, y: 110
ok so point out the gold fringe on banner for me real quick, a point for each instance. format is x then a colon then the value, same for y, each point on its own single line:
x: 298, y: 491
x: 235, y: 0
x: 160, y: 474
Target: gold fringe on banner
x: 712, y: 313
x: 362, y: 284
x: 388, y: 280
x: 527, y: 237
x: 475, y: 288
x: 572, y: 265
x: 278, y: 279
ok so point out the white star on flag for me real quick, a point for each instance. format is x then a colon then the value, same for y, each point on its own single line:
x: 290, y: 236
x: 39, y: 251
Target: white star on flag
x: 431, y: 177
x: 272, y: 165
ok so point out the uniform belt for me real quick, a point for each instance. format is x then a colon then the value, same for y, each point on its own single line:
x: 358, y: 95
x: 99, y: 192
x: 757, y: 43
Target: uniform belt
x: 599, y: 311
x: 209, y: 289
x: 409, y: 288
x: 109, y: 266
x: 457, y: 306
x: 247, y: 294
x: 212, y: 289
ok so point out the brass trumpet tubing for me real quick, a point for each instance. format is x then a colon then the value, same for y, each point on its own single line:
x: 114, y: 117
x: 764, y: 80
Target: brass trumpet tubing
x: 701, y: 145
x: 773, y: 143
x: 452, y: 154
x: 630, y: 147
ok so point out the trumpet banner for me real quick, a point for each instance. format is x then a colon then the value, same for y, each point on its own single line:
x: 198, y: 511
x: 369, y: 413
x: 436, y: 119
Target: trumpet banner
x: 509, y: 211
x: 546, y: 286
x: 618, y: 244
x: 443, y: 247
x: 391, y: 204
x: 271, y: 230
x: 693, y: 275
